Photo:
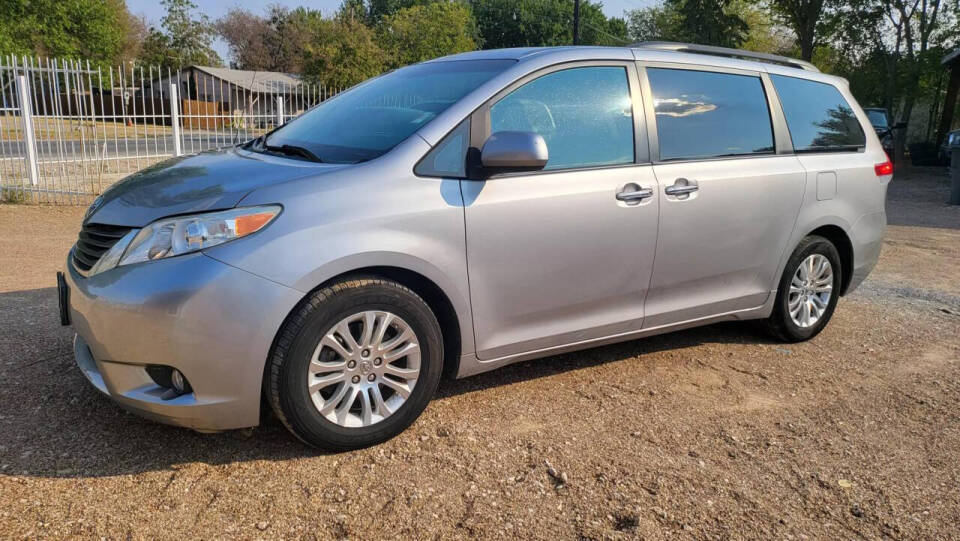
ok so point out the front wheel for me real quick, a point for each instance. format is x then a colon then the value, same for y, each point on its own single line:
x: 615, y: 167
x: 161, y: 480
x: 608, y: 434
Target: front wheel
x: 808, y: 291
x: 355, y: 364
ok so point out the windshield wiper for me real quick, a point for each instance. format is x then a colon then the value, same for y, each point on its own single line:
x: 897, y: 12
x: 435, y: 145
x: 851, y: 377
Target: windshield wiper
x: 293, y: 150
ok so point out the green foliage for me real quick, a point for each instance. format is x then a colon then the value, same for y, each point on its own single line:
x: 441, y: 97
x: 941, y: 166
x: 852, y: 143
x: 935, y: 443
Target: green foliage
x: 422, y: 32
x: 342, y: 52
x: 94, y: 30
x: 807, y: 19
x: 764, y: 34
x: 270, y: 42
x: 14, y: 196
x: 538, y: 23
x: 184, y: 39
x: 708, y: 22
x: 377, y: 10
x: 654, y: 23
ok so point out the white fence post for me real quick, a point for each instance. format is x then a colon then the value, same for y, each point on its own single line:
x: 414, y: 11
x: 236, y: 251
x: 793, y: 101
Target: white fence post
x: 175, y: 118
x: 279, y: 111
x: 30, y: 141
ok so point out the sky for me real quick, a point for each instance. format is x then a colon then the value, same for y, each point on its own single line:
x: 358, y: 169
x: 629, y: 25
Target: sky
x: 153, y: 10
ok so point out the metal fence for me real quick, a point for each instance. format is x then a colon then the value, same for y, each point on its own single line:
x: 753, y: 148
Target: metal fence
x: 69, y: 130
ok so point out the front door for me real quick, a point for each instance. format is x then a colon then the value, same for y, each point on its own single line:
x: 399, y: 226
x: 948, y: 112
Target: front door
x: 563, y: 255
x: 729, y: 196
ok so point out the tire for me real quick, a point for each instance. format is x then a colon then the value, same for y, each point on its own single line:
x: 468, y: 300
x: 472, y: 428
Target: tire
x: 303, y: 336
x: 780, y: 323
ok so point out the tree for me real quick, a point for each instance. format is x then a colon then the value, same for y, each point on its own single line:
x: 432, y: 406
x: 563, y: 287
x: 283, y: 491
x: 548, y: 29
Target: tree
x: 917, y: 21
x: 707, y: 22
x: 183, y: 40
x: 422, y: 32
x: 342, y: 53
x: 764, y: 34
x: 538, y: 23
x: 806, y: 19
x: 95, y: 30
x: 246, y: 37
x: 377, y: 10
x: 891, y: 48
x: 654, y: 23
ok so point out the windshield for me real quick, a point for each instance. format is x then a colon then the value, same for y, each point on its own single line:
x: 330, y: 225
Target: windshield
x: 372, y: 118
x: 877, y: 118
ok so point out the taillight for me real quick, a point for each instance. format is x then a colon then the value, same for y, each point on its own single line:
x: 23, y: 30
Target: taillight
x: 883, y: 169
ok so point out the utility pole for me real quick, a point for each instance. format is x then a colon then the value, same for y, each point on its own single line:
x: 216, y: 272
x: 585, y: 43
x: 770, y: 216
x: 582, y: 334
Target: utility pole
x: 576, y: 22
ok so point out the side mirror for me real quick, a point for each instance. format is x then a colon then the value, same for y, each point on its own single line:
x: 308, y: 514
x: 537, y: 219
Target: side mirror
x: 508, y: 151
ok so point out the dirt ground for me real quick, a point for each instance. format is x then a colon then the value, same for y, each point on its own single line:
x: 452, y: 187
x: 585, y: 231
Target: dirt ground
x: 711, y: 433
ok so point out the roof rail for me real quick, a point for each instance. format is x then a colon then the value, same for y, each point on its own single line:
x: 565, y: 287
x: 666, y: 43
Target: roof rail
x: 724, y: 51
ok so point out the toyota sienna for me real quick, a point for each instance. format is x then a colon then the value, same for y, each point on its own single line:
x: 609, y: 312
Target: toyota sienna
x: 469, y: 212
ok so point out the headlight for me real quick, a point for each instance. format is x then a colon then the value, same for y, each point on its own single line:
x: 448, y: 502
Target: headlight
x: 184, y: 234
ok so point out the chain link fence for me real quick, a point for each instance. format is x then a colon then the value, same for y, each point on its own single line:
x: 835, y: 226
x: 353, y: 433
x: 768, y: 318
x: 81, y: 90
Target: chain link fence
x: 68, y: 130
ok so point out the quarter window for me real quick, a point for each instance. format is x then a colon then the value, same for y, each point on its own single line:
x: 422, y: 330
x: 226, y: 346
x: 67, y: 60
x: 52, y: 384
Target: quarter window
x: 819, y: 118
x: 584, y: 114
x: 449, y: 158
x: 702, y: 114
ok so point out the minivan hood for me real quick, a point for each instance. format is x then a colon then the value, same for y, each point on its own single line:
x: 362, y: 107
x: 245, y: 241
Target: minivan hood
x: 211, y: 180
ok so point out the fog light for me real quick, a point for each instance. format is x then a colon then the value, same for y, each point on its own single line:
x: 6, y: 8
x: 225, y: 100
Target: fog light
x: 179, y: 383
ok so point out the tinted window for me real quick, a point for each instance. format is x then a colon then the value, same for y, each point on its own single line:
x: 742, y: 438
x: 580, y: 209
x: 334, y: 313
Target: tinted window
x: 584, y: 114
x: 371, y: 118
x: 818, y: 116
x: 877, y: 118
x: 449, y: 157
x: 703, y: 114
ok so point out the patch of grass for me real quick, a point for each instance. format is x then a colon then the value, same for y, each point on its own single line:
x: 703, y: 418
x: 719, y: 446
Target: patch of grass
x: 13, y: 196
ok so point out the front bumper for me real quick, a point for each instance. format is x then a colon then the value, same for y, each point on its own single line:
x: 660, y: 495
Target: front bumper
x: 213, y: 322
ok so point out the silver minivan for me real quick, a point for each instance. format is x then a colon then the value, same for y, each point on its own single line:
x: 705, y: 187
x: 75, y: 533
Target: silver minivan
x: 470, y: 212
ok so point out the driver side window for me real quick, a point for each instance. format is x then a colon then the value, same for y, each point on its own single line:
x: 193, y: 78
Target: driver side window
x: 584, y: 114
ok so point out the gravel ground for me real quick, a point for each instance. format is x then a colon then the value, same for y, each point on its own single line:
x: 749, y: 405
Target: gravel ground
x: 715, y: 432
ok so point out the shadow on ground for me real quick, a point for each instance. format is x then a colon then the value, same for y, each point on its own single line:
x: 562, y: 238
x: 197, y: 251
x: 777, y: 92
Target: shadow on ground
x: 918, y: 197
x: 57, y: 425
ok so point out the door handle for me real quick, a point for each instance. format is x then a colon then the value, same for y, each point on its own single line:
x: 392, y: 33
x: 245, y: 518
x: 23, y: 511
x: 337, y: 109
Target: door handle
x: 633, y: 193
x: 682, y: 187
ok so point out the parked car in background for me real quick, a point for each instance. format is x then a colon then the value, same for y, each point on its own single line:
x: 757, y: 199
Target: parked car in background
x: 950, y: 142
x: 880, y: 120
x: 470, y: 212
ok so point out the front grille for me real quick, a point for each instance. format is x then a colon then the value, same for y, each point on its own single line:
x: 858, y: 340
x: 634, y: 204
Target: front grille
x: 94, y: 241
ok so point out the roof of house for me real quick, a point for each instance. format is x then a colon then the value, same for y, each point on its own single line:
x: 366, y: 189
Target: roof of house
x: 255, y: 81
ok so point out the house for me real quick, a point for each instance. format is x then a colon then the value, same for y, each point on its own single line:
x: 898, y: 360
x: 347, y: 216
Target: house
x: 216, y: 95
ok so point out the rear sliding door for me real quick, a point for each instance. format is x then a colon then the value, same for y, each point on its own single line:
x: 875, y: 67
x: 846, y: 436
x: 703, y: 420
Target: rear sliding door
x: 730, y: 189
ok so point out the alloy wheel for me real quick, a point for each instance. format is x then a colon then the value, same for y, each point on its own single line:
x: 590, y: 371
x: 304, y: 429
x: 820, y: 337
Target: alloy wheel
x: 810, y: 290
x: 364, y: 368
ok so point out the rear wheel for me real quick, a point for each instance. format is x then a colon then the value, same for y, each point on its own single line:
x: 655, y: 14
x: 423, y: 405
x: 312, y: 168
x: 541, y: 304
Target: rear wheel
x: 808, y: 291
x: 355, y: 364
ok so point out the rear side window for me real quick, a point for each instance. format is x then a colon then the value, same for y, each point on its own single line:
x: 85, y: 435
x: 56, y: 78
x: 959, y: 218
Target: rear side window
x: 584, y: 114
x: 819, y: 118
x: 702, y: 114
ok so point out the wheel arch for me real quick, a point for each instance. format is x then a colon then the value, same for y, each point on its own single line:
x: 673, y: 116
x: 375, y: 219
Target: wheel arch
x: 841, y: 240
x: 435, y: 297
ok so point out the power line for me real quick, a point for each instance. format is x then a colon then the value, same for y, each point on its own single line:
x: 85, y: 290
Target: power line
x: 605, y: 33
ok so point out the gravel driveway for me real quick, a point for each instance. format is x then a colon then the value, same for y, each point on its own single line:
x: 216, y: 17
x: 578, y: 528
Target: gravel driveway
x: 715, y: 432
